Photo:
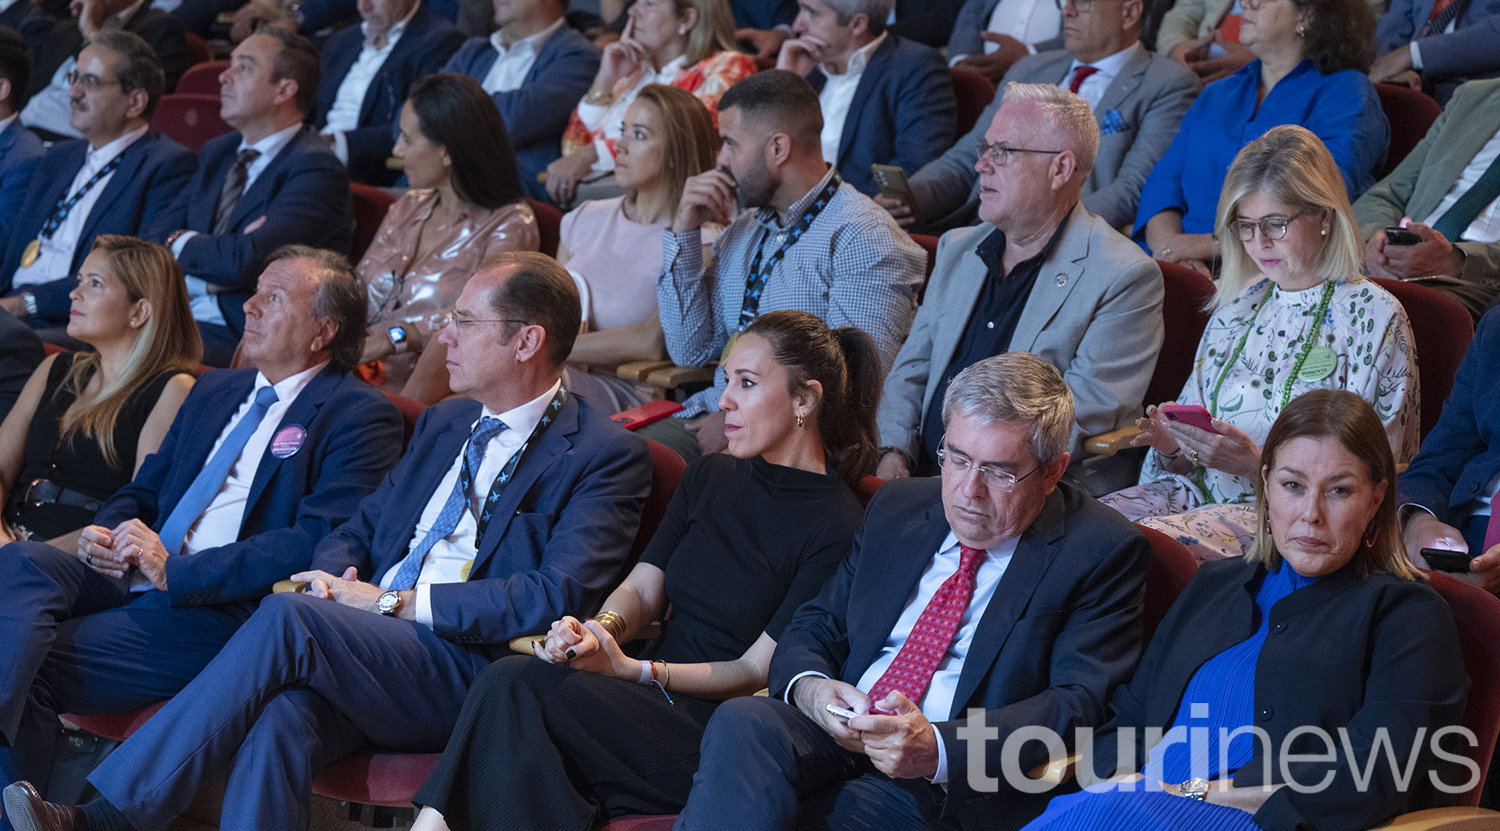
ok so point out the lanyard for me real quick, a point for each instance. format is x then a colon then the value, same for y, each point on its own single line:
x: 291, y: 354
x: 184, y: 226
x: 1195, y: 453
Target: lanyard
x: 508, y: 472
x: 60, y: 211
x: 1307, y: 346
x: 755, y: 283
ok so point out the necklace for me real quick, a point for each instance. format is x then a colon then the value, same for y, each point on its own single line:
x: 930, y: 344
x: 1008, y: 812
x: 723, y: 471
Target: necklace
x: 1308, y: 344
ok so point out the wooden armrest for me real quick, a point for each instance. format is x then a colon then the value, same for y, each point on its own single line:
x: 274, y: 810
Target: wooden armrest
x: 1056, y: 772
x: 636, y: 371
x: 1448, y: 819
x: 284, y: 586
x: 1108, y: 444
x: 673, y: 377
x: 523, y: 644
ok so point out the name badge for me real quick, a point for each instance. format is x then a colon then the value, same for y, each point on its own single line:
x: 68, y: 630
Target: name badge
x: 1319, y: 364
x: 288, y: 441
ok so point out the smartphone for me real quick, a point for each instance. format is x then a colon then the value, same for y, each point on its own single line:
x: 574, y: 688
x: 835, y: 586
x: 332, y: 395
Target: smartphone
x: 840, y: 711
x: 652, y: 411
x: 1190, y: 414
x: 1454, y: 562
x: 892, y: 181
x: 1396, y: 235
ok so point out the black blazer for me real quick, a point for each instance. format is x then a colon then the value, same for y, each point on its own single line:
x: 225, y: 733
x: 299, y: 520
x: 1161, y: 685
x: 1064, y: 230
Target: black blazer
x: 1351, y: 652
x: 1062, y: 630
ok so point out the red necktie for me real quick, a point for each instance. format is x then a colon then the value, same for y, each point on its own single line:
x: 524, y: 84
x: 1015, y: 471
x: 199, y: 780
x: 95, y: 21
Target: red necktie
x: 1079, y: 75
x: 928, y: 642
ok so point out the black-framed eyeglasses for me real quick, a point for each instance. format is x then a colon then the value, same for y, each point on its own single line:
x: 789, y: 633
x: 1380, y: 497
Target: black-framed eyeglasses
x: 454, y: 318
x: 999, y: 154
x: 993, y: 478
x: 1083, y: 6
x: 89, y: 81
x: 1272, y: 227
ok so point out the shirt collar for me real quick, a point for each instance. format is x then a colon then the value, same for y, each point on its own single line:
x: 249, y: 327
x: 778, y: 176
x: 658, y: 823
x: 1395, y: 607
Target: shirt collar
x: 524, y: 418
x: 767, y: 216
x: 289, y: 387
x: 532, y: 43
x: 1003, y: 548
x: 272, y: 144
x: 394, y: 33
x: 1110, y: 65
x: 991, y: 249
x: 857, y: 61
x: 5, y: 122
x: 97, y: 159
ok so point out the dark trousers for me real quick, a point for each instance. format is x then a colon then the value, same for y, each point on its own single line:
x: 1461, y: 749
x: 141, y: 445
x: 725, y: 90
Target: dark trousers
x: 72, y: 640
x: 303, y: 682
x: 545, y: 747
x: 765, y: 765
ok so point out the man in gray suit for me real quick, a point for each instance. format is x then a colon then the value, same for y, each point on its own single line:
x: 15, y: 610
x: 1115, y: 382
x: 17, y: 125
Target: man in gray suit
x: 1442, y: 189
x: 1042, y: 275
x: 1137, y: 97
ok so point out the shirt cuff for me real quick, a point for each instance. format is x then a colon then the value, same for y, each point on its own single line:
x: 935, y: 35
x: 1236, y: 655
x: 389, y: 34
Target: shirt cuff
x: 423, y: 613
x: 1416, y: 56
x: 340, y: 145
x: 941, y: 777
x: 787, y: 696
x: 181, y: 240
x: 954, y: 59
x: 1407, y: 510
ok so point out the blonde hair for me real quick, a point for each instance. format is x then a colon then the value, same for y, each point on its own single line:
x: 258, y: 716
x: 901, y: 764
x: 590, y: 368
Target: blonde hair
x: 689, y: 141
x: 714, y: 31
x: 168, y: 340
x: 1290, y: 165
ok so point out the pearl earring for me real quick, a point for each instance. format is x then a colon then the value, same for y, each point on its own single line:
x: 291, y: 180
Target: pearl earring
x: 1324, y: 232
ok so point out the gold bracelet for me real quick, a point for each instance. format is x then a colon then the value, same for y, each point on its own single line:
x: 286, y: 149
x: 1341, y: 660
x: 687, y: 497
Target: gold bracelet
x: 599, y: 97
x: 666, y: 675
x: 612, y: 622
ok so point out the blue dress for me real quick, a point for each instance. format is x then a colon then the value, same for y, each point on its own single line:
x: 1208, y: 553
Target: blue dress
x: 1342, y: 109
x: 1219, y: 699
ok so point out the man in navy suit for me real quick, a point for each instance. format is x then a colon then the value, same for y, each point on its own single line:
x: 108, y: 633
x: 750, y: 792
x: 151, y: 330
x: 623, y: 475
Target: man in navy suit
x: 274, y: 182
x: 885, y: 100
x: 536, y: 69
x: 1448, y: 492
x: 366, y: 72
x: 20, y: 353
x: 244, y: 485
x: 20, y: 149
x: 120, y: 178
x: 994, y: 600
x: 508, y: 512
x: 1436, y: 46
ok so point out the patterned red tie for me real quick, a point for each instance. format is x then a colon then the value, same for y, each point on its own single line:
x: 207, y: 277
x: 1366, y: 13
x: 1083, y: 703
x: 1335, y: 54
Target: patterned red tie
x: 1079, y: 76
x: 928, y: 642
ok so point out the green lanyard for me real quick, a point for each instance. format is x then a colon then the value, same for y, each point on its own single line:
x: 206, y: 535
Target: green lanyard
x: 1309, y: 342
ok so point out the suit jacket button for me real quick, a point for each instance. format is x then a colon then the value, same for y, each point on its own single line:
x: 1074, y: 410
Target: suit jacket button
x: 1278, y: 628
x: 1266, y: 713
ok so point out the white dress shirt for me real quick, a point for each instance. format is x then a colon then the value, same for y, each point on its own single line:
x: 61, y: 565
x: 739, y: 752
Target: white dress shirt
x: 55, y: 257
x: 50, y: 109
x: 838, y: 95
x: 220, y: 522
x: 516, y: 60
x: 1093, y: 87
x: 350, y: 98
x: 1486, y: 226
x: 445, y: 562
x: 205, y: 305
x: 937, y: 702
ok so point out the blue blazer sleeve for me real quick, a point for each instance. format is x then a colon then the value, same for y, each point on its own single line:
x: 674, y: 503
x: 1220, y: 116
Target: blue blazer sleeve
x: 538, y: 111
x: 1399, y: 24
x: 20, y: 354
x: 904, y: 113
x: 20, y: 153
x: 1163, y: 188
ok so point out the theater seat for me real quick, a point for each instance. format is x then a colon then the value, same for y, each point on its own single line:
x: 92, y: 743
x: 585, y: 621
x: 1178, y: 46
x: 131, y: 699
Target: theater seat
x: 1410, y: 113
x: 974, y: 92
x: 202, y: 78
x: 370, y: 207
x: 190, y: 119
x: 1441, y: 329
x: 548, y: 224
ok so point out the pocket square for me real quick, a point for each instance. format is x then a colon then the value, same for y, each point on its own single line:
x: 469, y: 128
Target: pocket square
x: 1112, y: 123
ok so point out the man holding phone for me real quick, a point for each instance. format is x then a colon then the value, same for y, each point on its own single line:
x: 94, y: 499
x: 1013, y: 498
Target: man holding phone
x: 1450, y: 182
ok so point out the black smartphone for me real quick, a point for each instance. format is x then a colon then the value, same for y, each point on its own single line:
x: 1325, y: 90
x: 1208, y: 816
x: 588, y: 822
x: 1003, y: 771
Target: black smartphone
x: 1396, y: 235
x: 1455, y: 562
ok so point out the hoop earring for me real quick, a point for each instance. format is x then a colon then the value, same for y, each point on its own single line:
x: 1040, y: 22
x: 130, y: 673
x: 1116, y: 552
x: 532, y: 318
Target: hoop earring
x: 800, y: 421
x: 1372, y: 535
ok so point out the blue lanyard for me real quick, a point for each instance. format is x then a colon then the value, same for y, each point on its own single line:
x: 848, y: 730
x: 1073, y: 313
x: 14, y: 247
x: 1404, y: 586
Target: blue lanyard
x: 755, y: 283
x: 508, y: 472
x: 64, y: 205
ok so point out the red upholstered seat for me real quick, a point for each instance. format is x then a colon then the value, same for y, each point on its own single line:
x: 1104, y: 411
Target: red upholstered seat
x: 1410, y: 113
x: 548, y: 224
x: 1172, y: 566
x: 117, y: 726
x: 198, y: 50
x: 637, y: 822
x: 974, y: 92
x: 867, y: 487
x: 370, y: 206
x: 1184, y: 317
x: 202, y: 78
x: 411, y: 410
x: 1441, y: 329
x: 1478, y: 615
x: 189, y: 119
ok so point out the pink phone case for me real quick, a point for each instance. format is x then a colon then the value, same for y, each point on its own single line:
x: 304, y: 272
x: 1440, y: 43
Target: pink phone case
x: 1191, y: 414
x: 651, y: 411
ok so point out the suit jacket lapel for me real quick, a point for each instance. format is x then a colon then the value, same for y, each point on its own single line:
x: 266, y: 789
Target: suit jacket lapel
x: 968, y: 280
x: 1461, y: 142
x: 539, y: 457
x: 124, y: 177
x: 1034, y: 553
x: 192, y: 456
x: 1055, y: 280
x: 267, y: 184
x: 1124, y: 83
x: 302, y: 412
x: 875, y: 67
x: 893, y: 583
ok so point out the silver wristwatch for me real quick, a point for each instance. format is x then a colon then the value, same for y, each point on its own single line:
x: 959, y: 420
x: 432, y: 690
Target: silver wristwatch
x: 1194, y: 788
x: 388, y: 602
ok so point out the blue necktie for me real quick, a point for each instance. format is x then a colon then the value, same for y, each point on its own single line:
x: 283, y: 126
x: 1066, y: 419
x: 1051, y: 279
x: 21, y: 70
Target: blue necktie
x: 453, y: 509
x: 211, y: 478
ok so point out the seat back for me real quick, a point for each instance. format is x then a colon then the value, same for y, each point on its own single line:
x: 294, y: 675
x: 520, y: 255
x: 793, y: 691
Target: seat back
x: 666, y: 471
x: 1478, y: 615
x: 1183, y: 316
x: 974, y: 92
x: 198, y: 50
x: 867, y: 487
x: 202, y: 78
x: 548, y: 224
x: 1441, y: 329
x: 1172, y: 566
x: 1410, y: 113
x: 190, y: 119
x: 411, y: 410
x: 370, y: 206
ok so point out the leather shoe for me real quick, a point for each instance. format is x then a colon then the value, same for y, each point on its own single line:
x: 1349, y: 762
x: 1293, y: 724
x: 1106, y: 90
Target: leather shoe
x: 27, y: 811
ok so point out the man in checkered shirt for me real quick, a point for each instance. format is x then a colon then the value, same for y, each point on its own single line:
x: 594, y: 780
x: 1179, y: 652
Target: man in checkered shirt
x: 796, y: 237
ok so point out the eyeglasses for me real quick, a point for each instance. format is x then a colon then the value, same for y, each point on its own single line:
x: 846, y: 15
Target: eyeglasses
x: 999, y: 154
x: 1084, y: 6
x: 89, y: 81
x: 442, y: 321
x: 996, y: 480
x: 1271, y: 227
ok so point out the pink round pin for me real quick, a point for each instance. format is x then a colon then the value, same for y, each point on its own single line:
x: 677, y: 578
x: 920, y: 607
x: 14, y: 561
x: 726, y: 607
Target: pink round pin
x: 288, y: 441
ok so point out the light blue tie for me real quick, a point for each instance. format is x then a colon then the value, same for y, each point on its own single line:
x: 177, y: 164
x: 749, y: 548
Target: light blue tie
x: 211, y: 478
x: 453, y: 510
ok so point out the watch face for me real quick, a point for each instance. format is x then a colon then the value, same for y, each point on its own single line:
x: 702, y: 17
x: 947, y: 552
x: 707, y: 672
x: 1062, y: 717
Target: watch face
x: 387, y: 602
x: 396, y: 334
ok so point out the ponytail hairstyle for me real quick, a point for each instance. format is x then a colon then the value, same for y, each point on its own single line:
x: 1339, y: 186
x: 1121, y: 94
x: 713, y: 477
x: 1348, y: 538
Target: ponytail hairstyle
x: 845, y: 364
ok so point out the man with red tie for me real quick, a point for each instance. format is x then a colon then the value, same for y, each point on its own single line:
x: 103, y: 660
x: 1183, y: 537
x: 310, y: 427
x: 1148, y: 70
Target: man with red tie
x: 992, y: 599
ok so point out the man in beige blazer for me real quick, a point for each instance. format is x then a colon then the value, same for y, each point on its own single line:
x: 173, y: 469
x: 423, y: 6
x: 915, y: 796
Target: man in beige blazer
x: 1041, y: 275
x: 1429, y: 187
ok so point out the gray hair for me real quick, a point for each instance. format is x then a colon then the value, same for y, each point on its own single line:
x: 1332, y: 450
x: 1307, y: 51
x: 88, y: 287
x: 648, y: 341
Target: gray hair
x: 878, y: 11
x: 1066, y: 113
x: 340, y: 297
x: 1019, y: 387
